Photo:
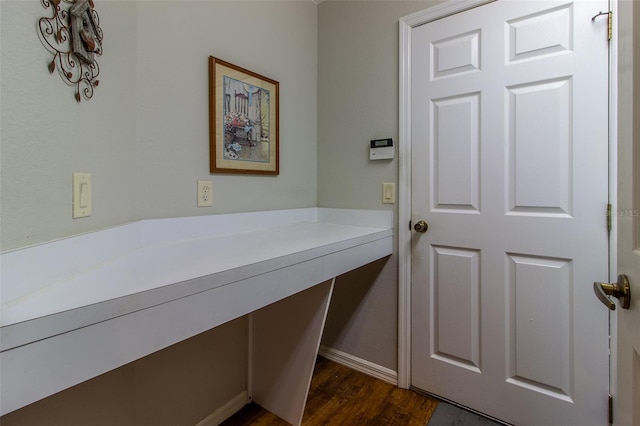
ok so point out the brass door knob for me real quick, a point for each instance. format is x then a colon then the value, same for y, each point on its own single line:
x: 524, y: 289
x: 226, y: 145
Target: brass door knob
x: 620, y: 289
x: 421, y: 226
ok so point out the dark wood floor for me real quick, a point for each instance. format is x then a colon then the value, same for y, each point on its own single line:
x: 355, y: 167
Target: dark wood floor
x: 342, y: 396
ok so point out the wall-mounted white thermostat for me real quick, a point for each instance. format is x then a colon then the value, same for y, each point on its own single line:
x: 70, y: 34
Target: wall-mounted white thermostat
x: 382, y: 149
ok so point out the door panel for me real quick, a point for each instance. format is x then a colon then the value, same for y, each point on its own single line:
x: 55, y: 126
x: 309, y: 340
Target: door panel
x: 543, y: 33
x: 456, y: 283
x: 539, y: 160
x: 539, y: 326
x: 455, y: 142
x: 455, y: 55
x: 510, y: 170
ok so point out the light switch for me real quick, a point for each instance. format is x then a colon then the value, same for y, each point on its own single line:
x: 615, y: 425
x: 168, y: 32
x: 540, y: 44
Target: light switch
x: 81, y: 195
x: 84, y: 195
x: 388, y: 193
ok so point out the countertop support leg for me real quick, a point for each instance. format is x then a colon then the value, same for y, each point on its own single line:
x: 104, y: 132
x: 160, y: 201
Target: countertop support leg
x: 286, y: 338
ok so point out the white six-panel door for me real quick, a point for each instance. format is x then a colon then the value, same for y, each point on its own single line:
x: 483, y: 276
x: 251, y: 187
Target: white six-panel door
x: 510, y: 170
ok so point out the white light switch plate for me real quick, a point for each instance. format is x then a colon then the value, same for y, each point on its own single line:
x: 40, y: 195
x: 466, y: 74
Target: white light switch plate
x: 388, y: 193
x: 81, y: 195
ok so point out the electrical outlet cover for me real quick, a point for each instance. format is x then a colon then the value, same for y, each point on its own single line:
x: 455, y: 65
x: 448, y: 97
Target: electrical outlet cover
x: 205, y: 193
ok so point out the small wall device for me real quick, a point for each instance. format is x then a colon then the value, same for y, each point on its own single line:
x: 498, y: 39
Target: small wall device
x: 382, y: 149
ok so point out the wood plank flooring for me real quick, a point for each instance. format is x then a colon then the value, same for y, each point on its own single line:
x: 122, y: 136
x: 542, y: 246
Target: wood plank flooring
x: 342, y: 396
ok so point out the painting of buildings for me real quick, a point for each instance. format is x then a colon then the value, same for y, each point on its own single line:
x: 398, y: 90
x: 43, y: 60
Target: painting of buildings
x: 246, y: 121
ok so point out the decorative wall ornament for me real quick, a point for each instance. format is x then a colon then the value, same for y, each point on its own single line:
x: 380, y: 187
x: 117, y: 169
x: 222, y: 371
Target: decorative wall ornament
x: 74, y: 37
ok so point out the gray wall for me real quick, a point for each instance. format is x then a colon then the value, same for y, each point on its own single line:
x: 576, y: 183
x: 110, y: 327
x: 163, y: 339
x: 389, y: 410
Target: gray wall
x: 179, y: 385
x: 45, y: 135
x: 273, y: 38
x: 358, y: 101
x: 144, y: 136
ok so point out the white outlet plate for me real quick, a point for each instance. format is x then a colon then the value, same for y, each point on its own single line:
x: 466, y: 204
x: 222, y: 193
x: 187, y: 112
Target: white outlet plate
x: 205, y: 193
x: 81, y: 195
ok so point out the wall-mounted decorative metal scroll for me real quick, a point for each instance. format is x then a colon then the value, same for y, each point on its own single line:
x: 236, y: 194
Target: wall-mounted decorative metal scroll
x: 74, y: 37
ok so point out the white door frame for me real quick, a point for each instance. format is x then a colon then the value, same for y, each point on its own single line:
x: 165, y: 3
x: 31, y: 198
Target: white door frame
x: 613, y: 196
x: 406, y: 24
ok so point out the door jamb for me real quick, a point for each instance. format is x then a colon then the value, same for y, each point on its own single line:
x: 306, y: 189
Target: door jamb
x: 613, y: 195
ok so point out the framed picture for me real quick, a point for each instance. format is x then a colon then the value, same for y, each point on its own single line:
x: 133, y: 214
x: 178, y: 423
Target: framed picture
x: 243, y: 120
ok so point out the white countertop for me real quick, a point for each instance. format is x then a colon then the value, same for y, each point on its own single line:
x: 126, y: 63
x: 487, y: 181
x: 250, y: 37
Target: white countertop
x: 144, y: 272
x: 237, y: 262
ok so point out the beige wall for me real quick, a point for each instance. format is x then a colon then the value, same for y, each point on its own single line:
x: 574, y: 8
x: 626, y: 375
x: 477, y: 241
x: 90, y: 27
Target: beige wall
x: 358, y: 101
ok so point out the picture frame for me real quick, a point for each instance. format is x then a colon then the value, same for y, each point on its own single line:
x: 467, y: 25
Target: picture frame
x: 243, y: 120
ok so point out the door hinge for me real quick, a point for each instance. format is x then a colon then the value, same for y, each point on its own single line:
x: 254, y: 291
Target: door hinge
x: 609, y: 22
x: 609, y: 217
x: 409, y: 224
x: 610, y: 410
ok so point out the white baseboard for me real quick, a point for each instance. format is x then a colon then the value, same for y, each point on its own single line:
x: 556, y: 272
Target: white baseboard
x: 361, y: 365
x: 226, y: 411
x: 358, y: 364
